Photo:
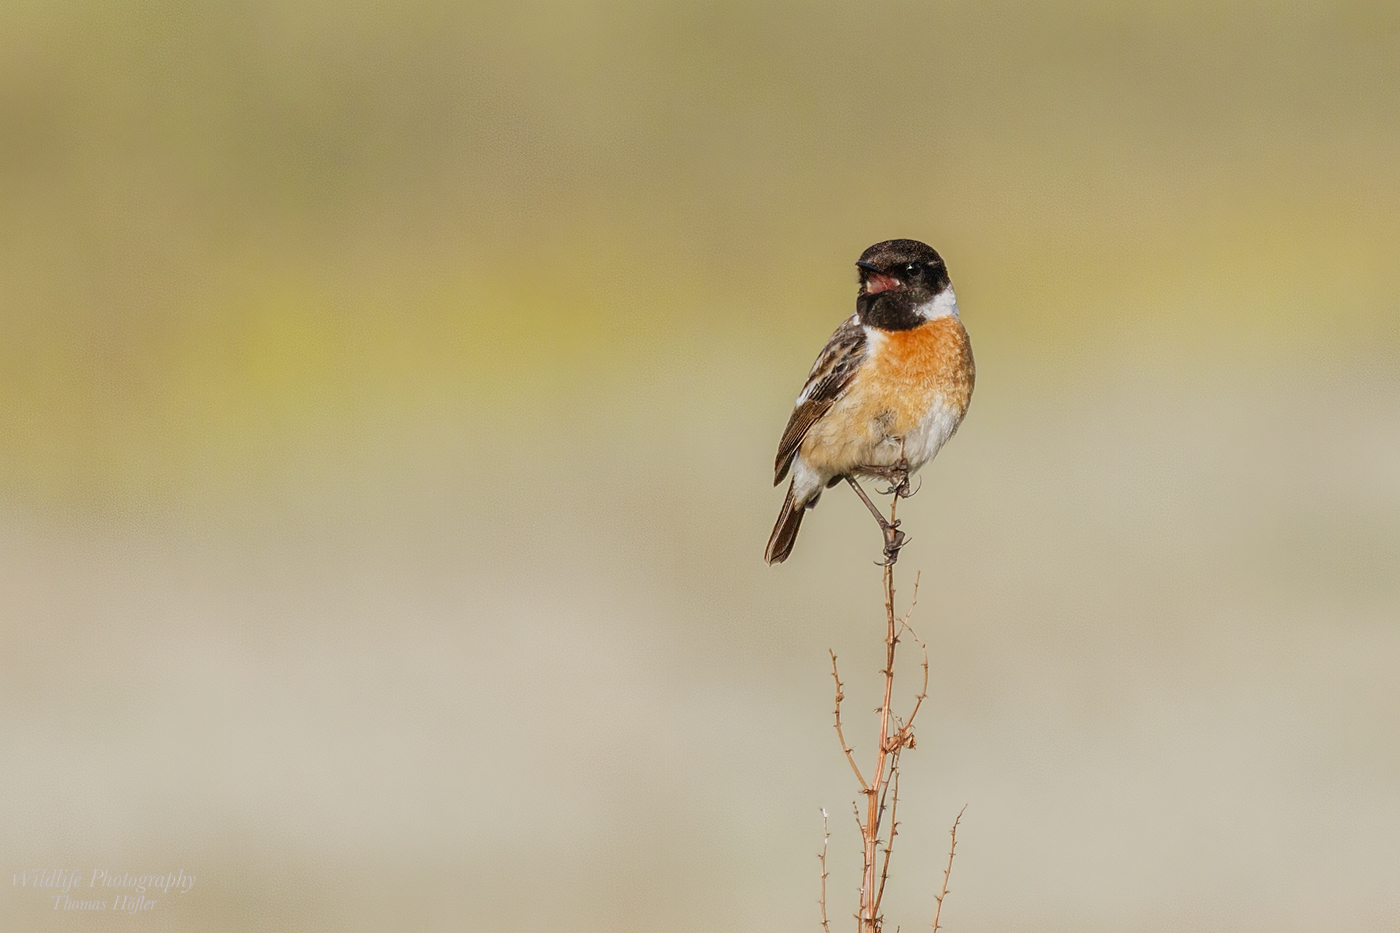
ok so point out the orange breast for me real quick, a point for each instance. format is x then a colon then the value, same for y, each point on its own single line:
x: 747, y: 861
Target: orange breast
x: 910, y: 374
x: 916, y: 368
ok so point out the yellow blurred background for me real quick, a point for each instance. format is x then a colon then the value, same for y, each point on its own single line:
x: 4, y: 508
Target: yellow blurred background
x: 388, y: 394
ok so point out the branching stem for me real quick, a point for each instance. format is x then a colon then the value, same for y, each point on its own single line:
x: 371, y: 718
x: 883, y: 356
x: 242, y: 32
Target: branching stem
x: 888, y: 746
x: 881, y: 789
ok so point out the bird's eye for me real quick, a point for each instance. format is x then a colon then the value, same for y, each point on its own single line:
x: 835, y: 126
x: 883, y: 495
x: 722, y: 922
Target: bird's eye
x: 913, y: 269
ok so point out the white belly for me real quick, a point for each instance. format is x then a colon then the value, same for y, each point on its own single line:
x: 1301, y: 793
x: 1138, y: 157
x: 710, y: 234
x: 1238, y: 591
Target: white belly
x: 923, y: 443
x: 873, y: 449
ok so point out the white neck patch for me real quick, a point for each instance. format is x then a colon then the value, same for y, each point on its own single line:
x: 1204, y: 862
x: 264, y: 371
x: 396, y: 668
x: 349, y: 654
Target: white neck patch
x: 944, y: 304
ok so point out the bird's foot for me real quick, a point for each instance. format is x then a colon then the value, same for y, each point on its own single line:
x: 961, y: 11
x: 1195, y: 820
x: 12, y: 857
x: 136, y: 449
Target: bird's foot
x: 894, y: 540
x: 898, y: 475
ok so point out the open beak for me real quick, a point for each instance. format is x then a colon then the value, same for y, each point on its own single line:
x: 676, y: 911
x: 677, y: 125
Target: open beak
x: 876, y: 281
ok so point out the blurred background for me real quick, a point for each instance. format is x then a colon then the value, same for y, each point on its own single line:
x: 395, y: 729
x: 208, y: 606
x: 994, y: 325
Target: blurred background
x: 388, y: 394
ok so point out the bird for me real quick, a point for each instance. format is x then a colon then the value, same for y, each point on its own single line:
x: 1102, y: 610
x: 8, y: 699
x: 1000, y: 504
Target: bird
x: 885, y: 394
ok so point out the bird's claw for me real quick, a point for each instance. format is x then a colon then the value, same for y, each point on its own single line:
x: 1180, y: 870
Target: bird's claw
x: 899, y: 481
x: 899, y: 488
x: 894, y: 540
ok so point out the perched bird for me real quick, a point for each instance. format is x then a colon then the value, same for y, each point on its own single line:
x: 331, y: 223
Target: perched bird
x: 886, y: 392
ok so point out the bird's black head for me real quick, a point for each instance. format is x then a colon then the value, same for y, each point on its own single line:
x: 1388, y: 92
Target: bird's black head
x: 898, y: 281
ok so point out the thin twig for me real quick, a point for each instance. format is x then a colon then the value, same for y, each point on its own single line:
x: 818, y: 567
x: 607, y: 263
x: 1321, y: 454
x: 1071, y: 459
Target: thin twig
x: 949, y: 870
x: 860, y: 827
x: 826, y: 837
x: 923, y: 690
x: 913, y: 600
x: 894, y: 828
x: 840, y: 695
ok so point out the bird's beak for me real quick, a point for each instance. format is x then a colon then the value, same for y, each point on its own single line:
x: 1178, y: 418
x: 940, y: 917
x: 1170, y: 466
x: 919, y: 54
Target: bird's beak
x: 875, y: 281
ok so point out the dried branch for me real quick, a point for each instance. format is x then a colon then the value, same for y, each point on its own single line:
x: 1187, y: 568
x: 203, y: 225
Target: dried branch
x: 888, y: 745
x: 908, y: 725
x: 826, y: 837
x: 913, y: 600
x: 893, y: 784
x: 855, y: 812
x: 840, y: 695
x: 949, y: 870
x: 881, y: 790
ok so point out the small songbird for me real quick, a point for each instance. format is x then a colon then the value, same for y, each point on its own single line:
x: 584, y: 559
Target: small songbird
x: 886, y: 392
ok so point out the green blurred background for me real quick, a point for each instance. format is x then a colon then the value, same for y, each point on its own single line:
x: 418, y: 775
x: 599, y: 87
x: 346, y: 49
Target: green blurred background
x: 387, y: 402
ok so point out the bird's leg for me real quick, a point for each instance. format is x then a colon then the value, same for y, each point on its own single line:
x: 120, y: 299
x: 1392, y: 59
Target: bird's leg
x: 874, y: 510
x: 894, y: 538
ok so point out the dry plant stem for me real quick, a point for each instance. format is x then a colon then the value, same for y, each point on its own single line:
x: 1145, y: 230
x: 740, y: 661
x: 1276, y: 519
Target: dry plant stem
x: 869, y: 892
x: 949, y: 870
x: 923, y: 691
x: 893, y: 785
x: 826, y: 837
x: 840, y: 695
x: 881, y: 790
x: 903, y: 737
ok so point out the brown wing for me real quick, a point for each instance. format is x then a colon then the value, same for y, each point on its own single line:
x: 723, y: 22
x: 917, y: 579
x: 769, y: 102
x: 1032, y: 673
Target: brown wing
x: 830, y: 375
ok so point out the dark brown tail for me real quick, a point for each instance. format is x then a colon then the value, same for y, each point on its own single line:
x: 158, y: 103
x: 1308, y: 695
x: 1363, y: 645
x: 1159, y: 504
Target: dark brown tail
x: 785, y: 532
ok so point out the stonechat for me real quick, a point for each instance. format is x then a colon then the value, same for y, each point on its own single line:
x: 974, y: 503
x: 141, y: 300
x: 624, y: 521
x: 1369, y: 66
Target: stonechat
x: 887, y: 391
